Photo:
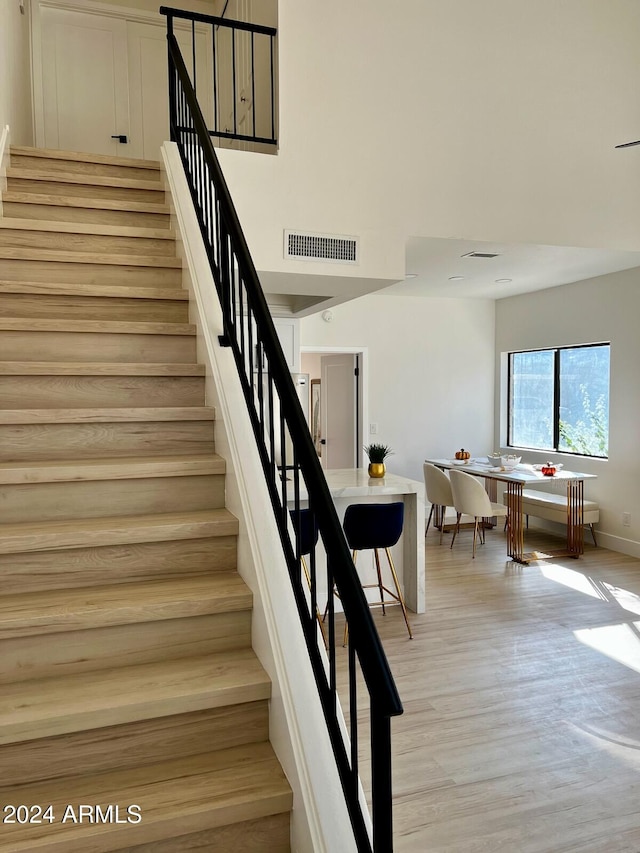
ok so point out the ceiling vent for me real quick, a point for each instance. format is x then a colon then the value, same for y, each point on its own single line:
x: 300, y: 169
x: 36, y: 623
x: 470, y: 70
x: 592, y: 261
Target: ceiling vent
x: 481, y: 255
x: 320, y: 247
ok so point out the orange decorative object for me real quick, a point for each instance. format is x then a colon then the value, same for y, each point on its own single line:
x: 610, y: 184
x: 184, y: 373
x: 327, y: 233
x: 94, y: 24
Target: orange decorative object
x: 463, y: 454
x: 548, y: 470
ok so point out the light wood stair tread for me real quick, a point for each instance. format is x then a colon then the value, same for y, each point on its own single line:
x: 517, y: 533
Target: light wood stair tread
x: 118, y: 604
x: 116, y: 530
x: 86, y: 179
x: 61, y: 704
x: 116, y: 327
x: 82, y: 157
x: 176, y: 798
x: 97, y: 290
x: 97, y: 368
x: 22, y: 197
x: 74, y: 416
x: 111, y: 468
x: 61, y: 256
x: 8, y: 223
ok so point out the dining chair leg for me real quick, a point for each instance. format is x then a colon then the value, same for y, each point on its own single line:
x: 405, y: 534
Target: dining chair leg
x: 443, y: 510
x: 399, y: 592
x: 429, y: 519
x: 455, y: 532
x: 380, y: 586
x: 593, y: 533
x: 475, y: 533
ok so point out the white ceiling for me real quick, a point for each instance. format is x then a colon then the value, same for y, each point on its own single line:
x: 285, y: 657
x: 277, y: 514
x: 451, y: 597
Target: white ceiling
x: 433, y: 260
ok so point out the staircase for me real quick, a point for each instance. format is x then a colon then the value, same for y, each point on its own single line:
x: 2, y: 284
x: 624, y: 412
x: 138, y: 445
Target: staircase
x: 131, y: 702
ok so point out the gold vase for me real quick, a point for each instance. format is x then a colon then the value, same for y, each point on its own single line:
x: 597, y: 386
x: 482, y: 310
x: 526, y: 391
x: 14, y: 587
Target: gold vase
x: 376, y: 469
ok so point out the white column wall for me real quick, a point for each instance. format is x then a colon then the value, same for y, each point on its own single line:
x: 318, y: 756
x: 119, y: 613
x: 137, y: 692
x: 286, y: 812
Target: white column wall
x: 431, y: 371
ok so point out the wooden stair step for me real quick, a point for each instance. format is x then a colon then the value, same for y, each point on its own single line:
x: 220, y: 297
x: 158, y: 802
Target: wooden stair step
x: 114, y: 327
x: 92, y: 306
x: 38, y: 239
x: 176, y: 799
x: 65, y: 257
x: 47, y: 707
x: 94, y: 228
x: 105, y: 415
x: 83, y: 157
x: 69, y: 200
x: 94, y: 290
x: 110, y: 468
x: 100, y: 606
x: 86, y: 179
x: 72, y: 567
x: 97, y: 391
x: 118, y: 530
x: 89, y: 368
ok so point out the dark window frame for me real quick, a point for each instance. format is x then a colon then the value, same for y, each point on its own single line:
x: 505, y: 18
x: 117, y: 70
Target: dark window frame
x: 556, y: 397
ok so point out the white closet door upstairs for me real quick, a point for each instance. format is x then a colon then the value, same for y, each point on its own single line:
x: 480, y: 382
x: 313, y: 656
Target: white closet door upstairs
x: 85, y: 82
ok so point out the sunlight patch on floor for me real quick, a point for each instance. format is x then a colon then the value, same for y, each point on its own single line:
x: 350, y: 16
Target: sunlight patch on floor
x: 618, y: 642
x: 627, y: 600
x: 571, y: 578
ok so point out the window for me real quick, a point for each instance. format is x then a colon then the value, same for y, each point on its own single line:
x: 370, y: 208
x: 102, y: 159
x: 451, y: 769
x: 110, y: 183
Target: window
x: 559, y: 400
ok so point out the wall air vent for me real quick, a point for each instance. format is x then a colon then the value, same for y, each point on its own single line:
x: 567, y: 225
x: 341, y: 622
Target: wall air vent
x: 320, y: 247
x: 481, y: 255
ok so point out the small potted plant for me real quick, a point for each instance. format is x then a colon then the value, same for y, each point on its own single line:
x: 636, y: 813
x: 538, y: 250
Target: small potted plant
x: 377, y: 453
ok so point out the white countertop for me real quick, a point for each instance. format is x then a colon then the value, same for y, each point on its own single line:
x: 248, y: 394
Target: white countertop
x: 356, y: 483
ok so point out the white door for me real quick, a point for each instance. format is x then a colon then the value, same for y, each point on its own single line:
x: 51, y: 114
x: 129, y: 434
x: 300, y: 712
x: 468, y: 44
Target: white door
x: 84, y: 82
x: 339, y: 410
x: 149, y: 86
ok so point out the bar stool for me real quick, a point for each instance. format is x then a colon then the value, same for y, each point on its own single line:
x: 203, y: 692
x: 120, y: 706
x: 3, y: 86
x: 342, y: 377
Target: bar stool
x: 306, y: 529
x: 375, y: 526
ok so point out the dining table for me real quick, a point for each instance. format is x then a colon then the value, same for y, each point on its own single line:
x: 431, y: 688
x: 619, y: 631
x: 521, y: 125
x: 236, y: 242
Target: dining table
x: 516, y: 479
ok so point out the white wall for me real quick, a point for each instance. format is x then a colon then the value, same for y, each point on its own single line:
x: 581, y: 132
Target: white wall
x: 431, y: 371
x: 15, y: 72
x: 598, y: 310
x: 494, y: 121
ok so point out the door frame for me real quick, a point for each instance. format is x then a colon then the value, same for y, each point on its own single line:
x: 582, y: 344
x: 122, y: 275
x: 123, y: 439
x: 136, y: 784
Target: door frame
x: 363, y: 389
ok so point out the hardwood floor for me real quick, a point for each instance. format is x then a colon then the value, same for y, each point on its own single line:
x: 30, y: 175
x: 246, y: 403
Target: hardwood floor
x: 521, y: 690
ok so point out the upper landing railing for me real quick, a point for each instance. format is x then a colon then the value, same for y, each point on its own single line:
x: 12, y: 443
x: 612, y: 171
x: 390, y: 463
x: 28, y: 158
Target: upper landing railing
x: 232, y: 68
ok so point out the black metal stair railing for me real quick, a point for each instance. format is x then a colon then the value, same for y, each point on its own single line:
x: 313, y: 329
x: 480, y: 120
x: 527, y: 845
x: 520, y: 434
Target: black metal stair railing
x: 232, y: 68
x: 295, y: 482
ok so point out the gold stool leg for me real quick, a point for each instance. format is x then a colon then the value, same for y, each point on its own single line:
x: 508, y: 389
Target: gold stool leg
x: 318, y: 616
x: 399, y: 591
x: 380, y: 586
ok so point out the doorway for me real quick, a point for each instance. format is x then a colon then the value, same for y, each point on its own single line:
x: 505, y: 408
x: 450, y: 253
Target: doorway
x: 338, y: 406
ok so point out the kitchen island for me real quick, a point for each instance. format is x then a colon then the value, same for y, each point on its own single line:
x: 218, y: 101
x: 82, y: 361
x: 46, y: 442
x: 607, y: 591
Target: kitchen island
x: 353, y: 485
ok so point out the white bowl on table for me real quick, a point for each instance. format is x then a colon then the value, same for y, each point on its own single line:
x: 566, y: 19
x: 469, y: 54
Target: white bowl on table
x: 510, y: 462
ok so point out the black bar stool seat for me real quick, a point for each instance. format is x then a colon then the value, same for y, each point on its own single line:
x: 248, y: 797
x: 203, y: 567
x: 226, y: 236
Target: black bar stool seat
x: 375, y: 527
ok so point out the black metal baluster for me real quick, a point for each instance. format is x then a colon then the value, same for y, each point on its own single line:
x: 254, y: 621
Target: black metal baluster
x: 193, y: 49
x: 253, y: 85
x: 273, y: 95
x: 214, y: 37
x: 353, y: 715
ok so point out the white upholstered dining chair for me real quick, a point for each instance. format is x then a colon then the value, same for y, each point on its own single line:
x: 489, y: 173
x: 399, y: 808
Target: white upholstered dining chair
x: 470, y: 498
x: 438, y: 490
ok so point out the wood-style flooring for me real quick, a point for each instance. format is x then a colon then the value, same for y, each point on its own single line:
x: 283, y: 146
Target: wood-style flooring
x: 521, y: 690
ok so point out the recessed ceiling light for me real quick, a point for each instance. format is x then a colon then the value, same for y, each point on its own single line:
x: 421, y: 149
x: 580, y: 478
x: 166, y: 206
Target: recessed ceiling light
x: 503, y: 280
x: 411, y: 275
x: 456, y: 277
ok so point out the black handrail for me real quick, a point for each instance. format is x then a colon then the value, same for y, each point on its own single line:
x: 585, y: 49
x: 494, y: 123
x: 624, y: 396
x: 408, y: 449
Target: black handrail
x: 291, y: 468
x: 236, y: 110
